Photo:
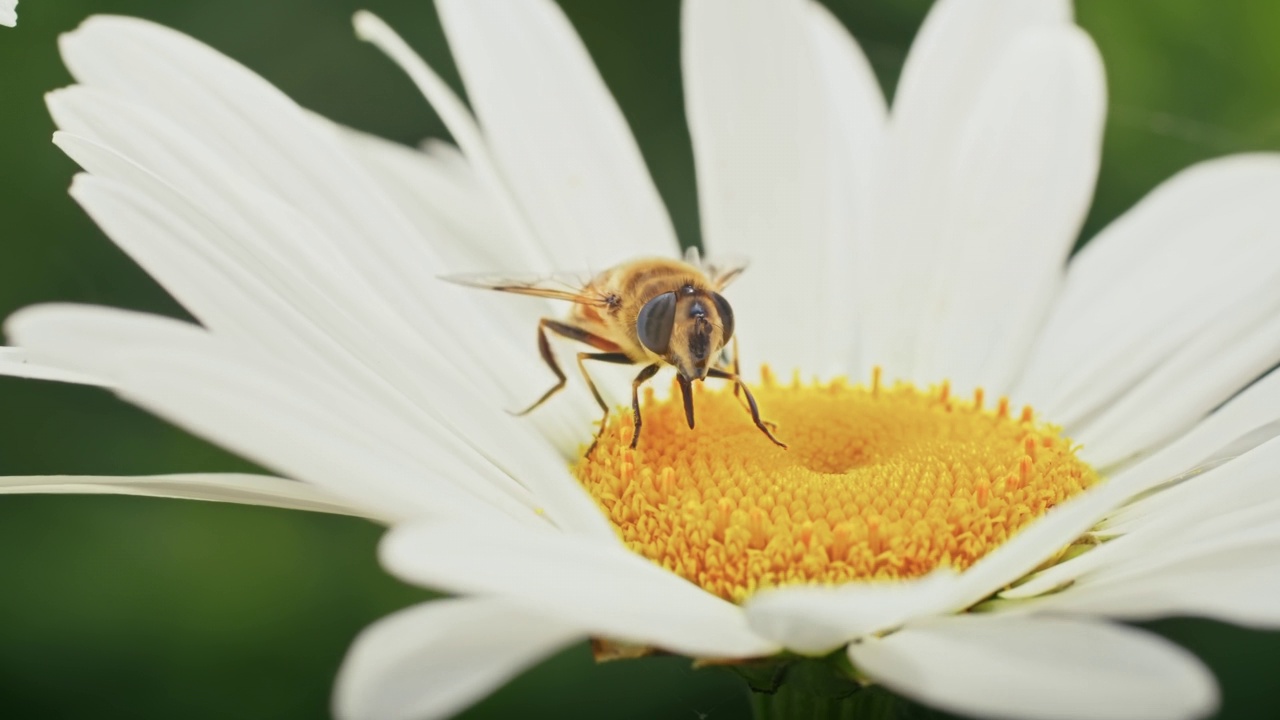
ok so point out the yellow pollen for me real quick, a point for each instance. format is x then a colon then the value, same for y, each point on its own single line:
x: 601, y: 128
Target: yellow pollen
x: 879, y: 482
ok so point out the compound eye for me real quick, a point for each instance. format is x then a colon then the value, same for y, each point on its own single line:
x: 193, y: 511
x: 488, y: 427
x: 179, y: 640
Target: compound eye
x: 726, y: 315
x: 656, y: 320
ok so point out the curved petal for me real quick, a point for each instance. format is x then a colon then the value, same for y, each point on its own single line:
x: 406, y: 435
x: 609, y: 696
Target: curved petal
x: 1183, y: 260
x: 1214, y: 507
x: 438, y: 190
x: 859, y: 117
x: 1026, y: 668
x: 769, y: 186
x: 263, y: 236
x: 254, y: 128
x: 560, y: 421
x: 9, y: 13
x: 952, y: 60
x: 558, y: 136
x: 16, y: 362
x: 213, y: 487
x: 1184, y: 518
x: 209, y: 141
x: 525, y: 247
x: 235, y: 121
x: 1236, y: 581
x: 242, y: 240
x: 953, y: 55
x: 1245, y: 422
x: 602, y: 588
x: 1191, y: 381
x: 434, y: 659
x: 1019, y: 188
x: 815, y: 620
x: 219, y: 276
x: 277, y: 414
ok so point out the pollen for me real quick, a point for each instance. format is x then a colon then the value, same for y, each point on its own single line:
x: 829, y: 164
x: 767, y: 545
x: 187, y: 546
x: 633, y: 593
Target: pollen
x: 879, y: 482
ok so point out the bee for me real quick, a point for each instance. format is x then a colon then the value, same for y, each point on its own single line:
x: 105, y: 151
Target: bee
x: 652, y: 312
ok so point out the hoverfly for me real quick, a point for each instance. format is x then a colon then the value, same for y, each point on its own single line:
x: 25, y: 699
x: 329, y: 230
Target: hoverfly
x: 651, y: 312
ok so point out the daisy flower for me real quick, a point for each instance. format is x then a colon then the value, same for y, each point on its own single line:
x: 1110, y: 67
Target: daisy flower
x: 998, y: 452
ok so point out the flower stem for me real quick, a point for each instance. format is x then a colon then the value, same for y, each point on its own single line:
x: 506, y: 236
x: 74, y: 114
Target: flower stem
x: 786, y: 704
x: 812, y: 689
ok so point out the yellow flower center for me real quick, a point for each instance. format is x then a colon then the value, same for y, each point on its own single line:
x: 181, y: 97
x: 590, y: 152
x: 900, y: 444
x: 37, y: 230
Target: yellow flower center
x: 878, y: 483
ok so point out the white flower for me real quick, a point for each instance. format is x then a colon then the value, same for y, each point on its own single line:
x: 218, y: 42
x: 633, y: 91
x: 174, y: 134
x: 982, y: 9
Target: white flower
x: 8, y: 13
x: 931, y: 240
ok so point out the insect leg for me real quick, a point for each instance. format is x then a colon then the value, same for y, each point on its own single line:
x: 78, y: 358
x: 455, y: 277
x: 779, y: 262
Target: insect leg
x: 617, y: 358
x: 739, y: 386
x: 751, y: 403
x: 737, y: 366
x: 729, y: 363
x: 609, y: 357
x: 582, y: 336
x: 641, y: 379
x: 544, y: 349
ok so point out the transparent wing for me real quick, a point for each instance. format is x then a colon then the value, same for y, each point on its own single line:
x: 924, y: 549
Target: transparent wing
x: 724, y: 270
x: 574, y: 287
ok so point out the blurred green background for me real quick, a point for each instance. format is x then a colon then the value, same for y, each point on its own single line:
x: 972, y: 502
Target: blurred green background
x: 130, y: 608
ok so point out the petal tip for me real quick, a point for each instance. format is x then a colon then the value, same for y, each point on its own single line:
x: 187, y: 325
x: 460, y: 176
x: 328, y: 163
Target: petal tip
x: 367, y: 25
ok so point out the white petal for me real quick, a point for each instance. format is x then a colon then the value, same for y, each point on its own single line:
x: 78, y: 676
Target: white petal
x: 815, y: 620
x: 526, y: 248
x: 1235, y: 584
x: 278, y: 415
x: 1243, y: 423
x: 953, y: 58
x: 1195, y: 378
x: 1020, y: 185
x: 243, y: 284
x: 260, y: 135
x: 1186, y: 494
x: 237, y: 282
x: 239, y: 265
x: 563, y: 418
x: 229, y: 293
x: 253, y: 127
x: 1176, y: 520
x: 439, y: 192
x: 561, y: 143
x: 1040, y: 668
x: 9, y: 13
x: 1222, y: 504
x: 214, y: 487
x: 954, y: 53
x: 264, y: 248
x: 1223, y: 562
x: 602, y: 588
x: 16, y: 362
x: 1180, y: 261
x: 435, y: 659
x: 858, y: 105
x: 763, y: 131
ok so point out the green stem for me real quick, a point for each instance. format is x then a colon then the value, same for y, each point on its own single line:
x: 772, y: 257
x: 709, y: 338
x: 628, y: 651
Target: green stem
x: 812, y: 689
x: 866, y: 704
